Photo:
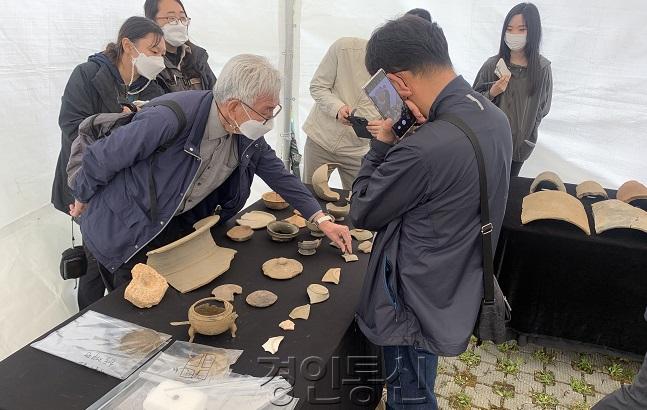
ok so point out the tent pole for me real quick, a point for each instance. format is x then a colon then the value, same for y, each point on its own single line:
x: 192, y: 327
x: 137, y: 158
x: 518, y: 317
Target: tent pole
x: 288, y: 67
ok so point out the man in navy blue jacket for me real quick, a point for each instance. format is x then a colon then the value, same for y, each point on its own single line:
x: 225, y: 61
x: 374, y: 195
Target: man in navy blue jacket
x: 424, y: 283
x: 207, y: 167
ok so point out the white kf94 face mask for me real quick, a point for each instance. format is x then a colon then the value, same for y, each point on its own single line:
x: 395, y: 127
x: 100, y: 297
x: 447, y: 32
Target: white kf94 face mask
x: 147, y: 66
x: 176, y: 34
x: 254, y: 129
x: 515, y: 42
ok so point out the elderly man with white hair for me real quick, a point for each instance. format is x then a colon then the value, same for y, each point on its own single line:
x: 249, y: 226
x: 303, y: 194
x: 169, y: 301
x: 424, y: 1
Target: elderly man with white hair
x: 144, y: 184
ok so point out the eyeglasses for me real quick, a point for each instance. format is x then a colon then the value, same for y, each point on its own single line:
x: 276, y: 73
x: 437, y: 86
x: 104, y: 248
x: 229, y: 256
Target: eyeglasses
x: 275, y: 112
x: 175, y: 20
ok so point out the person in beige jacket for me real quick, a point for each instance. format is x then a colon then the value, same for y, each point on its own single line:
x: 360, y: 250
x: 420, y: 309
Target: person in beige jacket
x: 337, y: 90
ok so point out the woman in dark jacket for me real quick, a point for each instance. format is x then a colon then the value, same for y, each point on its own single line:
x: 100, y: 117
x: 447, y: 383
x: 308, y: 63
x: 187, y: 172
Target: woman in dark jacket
x: 109, y: 82
x: 526, y: 93
x: 186, y: 64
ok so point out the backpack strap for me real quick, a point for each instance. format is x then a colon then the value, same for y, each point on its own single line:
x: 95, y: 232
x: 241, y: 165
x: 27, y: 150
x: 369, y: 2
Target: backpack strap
x: 92, y: 128
x: 181, y: 119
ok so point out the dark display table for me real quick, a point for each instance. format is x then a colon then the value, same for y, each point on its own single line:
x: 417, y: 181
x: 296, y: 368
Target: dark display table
x: 326, y: 357
x: 562, y: 283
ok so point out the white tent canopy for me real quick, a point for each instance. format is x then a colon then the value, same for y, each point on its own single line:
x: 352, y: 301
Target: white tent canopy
x: 595, y: 129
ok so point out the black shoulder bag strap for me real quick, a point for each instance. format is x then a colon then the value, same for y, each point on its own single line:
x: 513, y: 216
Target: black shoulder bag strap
x: 181, y: 120
x: 486, y: 225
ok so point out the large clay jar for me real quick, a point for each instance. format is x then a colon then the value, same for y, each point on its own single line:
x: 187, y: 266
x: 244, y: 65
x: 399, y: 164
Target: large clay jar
x: 210, y: 319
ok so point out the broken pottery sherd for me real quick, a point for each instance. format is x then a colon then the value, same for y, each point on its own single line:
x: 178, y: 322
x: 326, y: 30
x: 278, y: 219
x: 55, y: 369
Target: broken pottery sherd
x: 334, y: 245
x: 210, y: 320
x: 297, y: 220
x: 338, y: 212
x: 349, y: 257
x: 631, y: 191
x: 300, y: 312
x: 317, y: 293
x: 240, y: 233
x: 555, y: 205
x: 314, y: 230
x: 272, y: 344
x: 281, y: 231
x: 365, y: 247
x: 615, y: 214
x: 140, y: 342
x: 282, y: 268
x: 256, y: 219
x: 361, y: 234
x: 192, y: 261
x: 287, y: 325
x: 261, y: 298
x: 226, y: 292
x: 320, y: 182
x: 274, y: 201
x: 332, y: 276
x: 547, y: 180
x: 590, y: 189
x: 147, y: 287
x: 309, y: 248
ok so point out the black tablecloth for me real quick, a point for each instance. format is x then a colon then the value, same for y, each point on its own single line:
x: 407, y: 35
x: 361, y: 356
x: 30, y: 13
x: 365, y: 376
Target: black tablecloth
x: 563, y: 283
x: 314, y: 356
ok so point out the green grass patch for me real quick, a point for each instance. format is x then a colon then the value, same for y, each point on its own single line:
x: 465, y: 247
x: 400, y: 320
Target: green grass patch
x: 508, y: 347
x: 546, y: 357
x: 503, y: 390
x: 460, y: 401
x: 470, y: 358
x: 465, y: 379
x: 620, y: 373
x: 545, y: 400
x: 579, y: 406
x: 583, y: 363
x: 582, y: 387
x: 545, y: 377
x: 509, y: 366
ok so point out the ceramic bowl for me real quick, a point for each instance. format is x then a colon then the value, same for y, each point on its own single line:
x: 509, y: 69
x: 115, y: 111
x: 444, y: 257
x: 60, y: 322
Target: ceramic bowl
x: 274, y: 201
x: 281, y: 231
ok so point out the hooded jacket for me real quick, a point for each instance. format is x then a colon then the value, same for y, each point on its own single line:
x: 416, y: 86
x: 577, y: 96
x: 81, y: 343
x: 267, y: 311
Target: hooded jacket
x: 94, y: 87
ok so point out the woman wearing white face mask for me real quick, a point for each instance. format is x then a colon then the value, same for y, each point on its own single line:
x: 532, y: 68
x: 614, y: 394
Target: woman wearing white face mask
x: 525, y: 95
x: 107, y: 83
x: 186, y: 64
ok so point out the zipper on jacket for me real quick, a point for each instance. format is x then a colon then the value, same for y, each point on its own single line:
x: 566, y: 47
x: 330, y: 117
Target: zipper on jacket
x: 389, y: 290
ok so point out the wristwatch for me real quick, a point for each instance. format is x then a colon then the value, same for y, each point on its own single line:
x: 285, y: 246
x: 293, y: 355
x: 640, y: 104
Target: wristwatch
x: 323, y: 218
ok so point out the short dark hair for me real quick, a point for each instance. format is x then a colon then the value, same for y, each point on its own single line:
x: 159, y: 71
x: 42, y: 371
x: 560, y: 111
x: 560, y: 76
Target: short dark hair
x: 134, y: 28
x: 422, y: 13
x: 407, y: 44
x: 152, y: 7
